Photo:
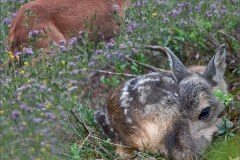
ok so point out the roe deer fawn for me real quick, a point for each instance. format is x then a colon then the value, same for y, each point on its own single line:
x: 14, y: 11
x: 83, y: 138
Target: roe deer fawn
x: 174, y: 113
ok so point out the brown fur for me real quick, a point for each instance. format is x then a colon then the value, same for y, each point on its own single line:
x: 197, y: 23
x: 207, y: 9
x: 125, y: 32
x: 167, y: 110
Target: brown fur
x: 65, y: 18
x: 160, y: 112
x: 62, y: 19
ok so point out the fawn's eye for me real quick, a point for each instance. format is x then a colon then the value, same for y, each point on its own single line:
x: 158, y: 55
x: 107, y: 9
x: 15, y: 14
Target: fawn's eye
x: 205, y: 113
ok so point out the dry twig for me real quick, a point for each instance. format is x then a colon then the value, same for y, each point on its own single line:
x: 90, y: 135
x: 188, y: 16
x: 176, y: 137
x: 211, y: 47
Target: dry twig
x: 145, y: 65
x: 107, y: 72
x: 77, y: 119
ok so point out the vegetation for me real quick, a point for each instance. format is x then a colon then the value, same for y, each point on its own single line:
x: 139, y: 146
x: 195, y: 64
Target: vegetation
x: 46, y: 109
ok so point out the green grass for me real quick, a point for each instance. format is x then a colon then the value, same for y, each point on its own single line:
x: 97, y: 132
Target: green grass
x: 46, y: 111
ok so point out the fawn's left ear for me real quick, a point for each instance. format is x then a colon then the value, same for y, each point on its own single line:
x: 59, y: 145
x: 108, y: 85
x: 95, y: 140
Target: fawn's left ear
x: 217, y: 65
x: 179, y: 70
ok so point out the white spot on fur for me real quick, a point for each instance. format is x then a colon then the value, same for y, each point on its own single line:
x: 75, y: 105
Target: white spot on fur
x: 107, y: 118
x: 149, y: 108
x: 125, y: 111
x: 144, y: 80
x: 129, y: 120
x: 111, y: 129
x: 169, y: 80
x: 125, y: 96
x: 144, y: 92
x: 134, y: 127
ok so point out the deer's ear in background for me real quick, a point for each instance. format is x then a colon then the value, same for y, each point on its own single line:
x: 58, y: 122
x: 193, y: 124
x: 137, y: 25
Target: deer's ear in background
x: 179, y: 70
x: 216, y: 67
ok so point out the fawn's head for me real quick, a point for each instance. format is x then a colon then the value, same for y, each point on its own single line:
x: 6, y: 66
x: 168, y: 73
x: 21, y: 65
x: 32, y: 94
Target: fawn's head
x: 198, y: 106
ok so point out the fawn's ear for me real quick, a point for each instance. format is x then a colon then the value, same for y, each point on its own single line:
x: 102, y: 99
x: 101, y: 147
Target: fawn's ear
x: 179, y: 70
x: 217, y: 65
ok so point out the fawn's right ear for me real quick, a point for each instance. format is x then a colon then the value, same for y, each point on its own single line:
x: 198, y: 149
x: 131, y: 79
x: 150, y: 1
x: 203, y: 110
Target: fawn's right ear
x: 179, y: 70
x: 217, y: 65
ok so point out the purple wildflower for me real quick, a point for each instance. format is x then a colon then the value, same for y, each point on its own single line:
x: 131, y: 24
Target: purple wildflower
x: 18, y: 53
x: 14, y: 114
x: 223, y: 11
x: 183, y: 21
x: 77, y: 57
x: 134, y: 25
x: 210, y: 15
x: 110, y: 44
x: 49, y: 90
x: 115, y: 8
x: 43, y: 87
x: 95, y: 58
x: 129, y: 43
x: 59, y: 107
x: 73, y: 41
x: 234, y: 1
x: 91, y: 64
x: 71, y: 64
x: 33, y: 33
x: 235, y: 13
x: 61, y: 72
x: 179, y: 5
x: 144, y: 25
x: 1, y: 42
x: 214, y: 5
x: 161, y: 2
x: 29, y: 50
x: 62, y: 42
x: 127, y: 21
x: 216, y: 12
x: 197, y: 8
x: 44, y: 131
x: 120, y: 55
x: 50, y: 115
x: 109, y: 56
x: 21, y: 128
x: 7, y: 20
x: 122, y: 46
x: 129, y: 29
x: 135, y: 51
x: 98, y: 51
x: 201, y: 3
x: 100, y: 35
x: 25, y: 107
x: 145, y: 2
x: 37, y: 120
x: 63, y: 49
x: 75, y: 71
x: 81, y: 33
x: 207, y: 13
x: 41, y: 105
x: 166, y: 20
x: 134, y: 5
x: 72, y: 81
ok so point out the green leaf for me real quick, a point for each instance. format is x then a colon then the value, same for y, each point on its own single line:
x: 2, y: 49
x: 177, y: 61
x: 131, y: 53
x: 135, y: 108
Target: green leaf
x: 231, y: 134
x: 221, y: 131
x: 228, y: 125
x: 108, y: 140
x: 220, y: 125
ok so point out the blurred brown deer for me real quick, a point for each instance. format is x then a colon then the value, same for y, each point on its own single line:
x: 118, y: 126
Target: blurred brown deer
x: 59, y: 20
